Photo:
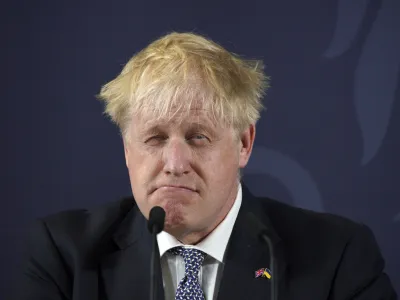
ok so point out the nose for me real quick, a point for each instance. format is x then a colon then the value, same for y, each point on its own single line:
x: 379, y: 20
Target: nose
x: 176, y: 156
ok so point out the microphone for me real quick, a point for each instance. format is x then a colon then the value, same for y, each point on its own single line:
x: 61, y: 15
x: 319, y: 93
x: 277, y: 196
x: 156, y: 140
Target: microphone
x: 260, y: 232
x: 155, y: 225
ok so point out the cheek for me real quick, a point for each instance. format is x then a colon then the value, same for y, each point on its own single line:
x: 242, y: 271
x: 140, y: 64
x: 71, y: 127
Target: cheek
x: 141, y: 163
x: 220, y: 171
x: 225, y: 160
x: 142, y: 170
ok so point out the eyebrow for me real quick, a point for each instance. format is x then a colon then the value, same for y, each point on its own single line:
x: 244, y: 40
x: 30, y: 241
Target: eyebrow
x: 156, y: 128
x: 149, y: 130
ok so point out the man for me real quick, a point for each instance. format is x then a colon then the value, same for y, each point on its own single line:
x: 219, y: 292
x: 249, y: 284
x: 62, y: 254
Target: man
x: 187, y: 110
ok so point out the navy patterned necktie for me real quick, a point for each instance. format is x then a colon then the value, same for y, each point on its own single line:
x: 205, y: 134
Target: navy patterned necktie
x: 189, y: 287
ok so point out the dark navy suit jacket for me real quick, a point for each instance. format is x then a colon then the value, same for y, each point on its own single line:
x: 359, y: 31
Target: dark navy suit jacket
x: 105, y: 254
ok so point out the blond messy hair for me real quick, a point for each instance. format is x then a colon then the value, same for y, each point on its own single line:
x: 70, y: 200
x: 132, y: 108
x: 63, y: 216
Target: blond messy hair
x: 180, y: 71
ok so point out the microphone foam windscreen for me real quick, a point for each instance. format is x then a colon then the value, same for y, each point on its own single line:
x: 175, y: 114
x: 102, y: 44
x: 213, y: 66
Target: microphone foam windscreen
x: 156, y: 219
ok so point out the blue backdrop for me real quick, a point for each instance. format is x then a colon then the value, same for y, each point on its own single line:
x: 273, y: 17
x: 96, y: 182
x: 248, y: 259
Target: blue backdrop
x: 329, y: 140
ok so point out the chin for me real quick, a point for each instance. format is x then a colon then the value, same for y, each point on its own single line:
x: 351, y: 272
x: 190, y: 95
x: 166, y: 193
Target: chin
x: 177, y: 211
x: 174, y: 217
x: 177, y: 218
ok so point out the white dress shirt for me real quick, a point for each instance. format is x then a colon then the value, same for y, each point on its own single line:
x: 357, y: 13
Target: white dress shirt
x: 214, y: 245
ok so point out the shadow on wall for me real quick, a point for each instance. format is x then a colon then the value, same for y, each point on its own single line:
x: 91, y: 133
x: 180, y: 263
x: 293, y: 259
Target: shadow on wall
x: 299, y: 183
x: 375, y: 82
x: 376, y: 75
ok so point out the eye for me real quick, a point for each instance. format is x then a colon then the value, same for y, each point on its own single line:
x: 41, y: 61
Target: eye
x: 198, y: 138
x: 155, y: 139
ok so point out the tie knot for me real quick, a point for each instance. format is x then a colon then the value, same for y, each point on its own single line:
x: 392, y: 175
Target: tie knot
x: 193, y: 259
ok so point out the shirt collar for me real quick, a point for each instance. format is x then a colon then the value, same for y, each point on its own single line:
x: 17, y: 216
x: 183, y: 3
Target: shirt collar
x: 215, y: 243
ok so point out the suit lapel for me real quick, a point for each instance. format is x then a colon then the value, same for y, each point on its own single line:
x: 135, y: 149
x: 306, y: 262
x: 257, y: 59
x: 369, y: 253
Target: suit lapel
x: 245, y: 255
x: 125, y: 273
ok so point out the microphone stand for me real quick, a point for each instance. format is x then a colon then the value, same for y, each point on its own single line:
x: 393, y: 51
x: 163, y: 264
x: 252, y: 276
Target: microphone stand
x: 274, y: 286
x: 259, y: 231
x: 155, y: 259
x: 155, y: 225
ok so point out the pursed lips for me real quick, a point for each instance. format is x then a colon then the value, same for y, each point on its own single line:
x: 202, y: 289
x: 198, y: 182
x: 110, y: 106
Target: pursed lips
x: 176, y: 188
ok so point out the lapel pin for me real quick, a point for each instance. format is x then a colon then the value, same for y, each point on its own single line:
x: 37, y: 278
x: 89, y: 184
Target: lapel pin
x: 263, y: 272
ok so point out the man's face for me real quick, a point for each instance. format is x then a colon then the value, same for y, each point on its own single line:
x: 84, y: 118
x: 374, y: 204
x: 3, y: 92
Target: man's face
x: 189, y: 168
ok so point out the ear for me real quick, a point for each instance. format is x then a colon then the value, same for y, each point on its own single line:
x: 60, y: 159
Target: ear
x: 247, y: 138
x: 126, y: 151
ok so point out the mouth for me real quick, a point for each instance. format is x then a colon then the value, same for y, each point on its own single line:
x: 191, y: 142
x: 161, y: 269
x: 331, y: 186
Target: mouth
x: 175, y: 188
